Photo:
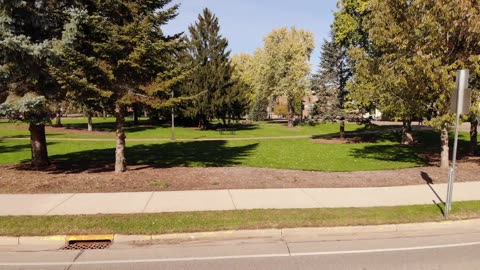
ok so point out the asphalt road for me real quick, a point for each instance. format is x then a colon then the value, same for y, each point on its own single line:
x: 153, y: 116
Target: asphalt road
x: 423, y: 247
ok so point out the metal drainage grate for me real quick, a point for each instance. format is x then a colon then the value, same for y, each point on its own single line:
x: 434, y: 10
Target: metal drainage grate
x: 81, y: 245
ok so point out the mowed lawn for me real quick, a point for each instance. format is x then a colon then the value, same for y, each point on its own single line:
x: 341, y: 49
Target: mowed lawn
x: 230, y: 220
x: 298, y: 154
x: 163, y: 131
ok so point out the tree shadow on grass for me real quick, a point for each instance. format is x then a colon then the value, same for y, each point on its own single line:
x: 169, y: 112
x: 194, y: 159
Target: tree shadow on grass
x: 429, y: 141
x: 111, y: 125
x: 216, y: 126
x: 365, y: 136
x: 102, y: 126
x: 149, y: 125
x: 394, y: 153
x: 19, y: 146
x: 15, y: 137
x: 235, y: 126
x: 173, y: 154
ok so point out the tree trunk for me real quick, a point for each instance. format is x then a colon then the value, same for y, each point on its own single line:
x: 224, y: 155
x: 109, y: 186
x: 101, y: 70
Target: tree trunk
x: 38, y: 143
x: 473, y: 135
x: 120, y: 161
x: 342, y: 129
x: 291, y: 112
x: 407, y: 135
x: 202, y: 123
x: 444, y: 163
x: 173, y: 124
x: 270, y: 108
x: 135, y: 114
x: 58, y: 117
x: 89, y: 122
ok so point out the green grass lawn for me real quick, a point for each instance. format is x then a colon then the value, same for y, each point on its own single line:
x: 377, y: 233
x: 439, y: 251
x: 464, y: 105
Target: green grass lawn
x: 260, y: 129
x: 230, y: 220
x: 299, y: 154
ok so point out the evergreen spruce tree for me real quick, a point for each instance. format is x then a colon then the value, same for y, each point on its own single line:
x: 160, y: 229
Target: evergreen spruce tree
x: 259, y: 108
x: 124, y: 58
x: 329, y: 83
x: 32, y: 34
x: 237, y: 101
x: 212, y: 71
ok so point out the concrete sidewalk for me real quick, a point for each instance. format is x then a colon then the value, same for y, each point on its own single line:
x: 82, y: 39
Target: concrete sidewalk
x: 214, y: 200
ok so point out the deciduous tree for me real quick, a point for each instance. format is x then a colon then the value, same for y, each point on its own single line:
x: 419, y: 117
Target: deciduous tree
x: 418, y: 45
x: 283, y: 67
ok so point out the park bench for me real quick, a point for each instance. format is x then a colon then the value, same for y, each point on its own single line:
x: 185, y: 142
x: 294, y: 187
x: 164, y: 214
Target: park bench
x: 224, y: 131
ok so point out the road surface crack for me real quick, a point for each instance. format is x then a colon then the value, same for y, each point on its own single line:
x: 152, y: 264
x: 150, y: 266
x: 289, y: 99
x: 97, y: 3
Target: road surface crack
x: 75, y: 259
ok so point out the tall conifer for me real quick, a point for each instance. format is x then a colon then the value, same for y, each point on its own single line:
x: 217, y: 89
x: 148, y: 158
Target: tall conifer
x: 124, y: 58
x: 212, y: 71
x: 329, y: 83
x: 32, y: 35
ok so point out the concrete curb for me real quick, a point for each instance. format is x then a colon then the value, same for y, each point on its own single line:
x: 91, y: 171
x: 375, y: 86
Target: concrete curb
x: 52, y: 241
x: 9, y: 241
x: 122, y: 238
x: 57, y: 241
x: 89, y: 237
x: 241, y: 234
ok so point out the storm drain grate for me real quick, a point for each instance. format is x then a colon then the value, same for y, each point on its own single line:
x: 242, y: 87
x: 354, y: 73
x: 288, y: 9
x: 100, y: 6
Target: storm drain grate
x: 81, y: 245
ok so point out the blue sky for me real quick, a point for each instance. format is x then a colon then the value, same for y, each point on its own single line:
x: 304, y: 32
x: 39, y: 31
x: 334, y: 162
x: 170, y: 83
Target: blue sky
x: 245, y: 22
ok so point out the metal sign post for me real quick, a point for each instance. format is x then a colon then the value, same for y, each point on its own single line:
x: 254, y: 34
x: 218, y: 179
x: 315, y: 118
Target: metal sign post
x: 461, y: 99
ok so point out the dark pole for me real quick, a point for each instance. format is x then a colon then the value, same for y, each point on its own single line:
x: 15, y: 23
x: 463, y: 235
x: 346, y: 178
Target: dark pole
x: 173, y: 120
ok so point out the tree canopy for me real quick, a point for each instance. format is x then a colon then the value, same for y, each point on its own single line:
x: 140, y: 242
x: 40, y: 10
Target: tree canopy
x: 283, y: 65
x: 123, y: 56
x: 94, y: 53
x: 414, y: 49
x: 32, y: 35
x: 330, y: 81
x: 211, y: 79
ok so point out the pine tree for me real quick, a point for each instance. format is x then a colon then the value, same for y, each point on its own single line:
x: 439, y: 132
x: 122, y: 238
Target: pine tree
x: 32, y: 34
x: 212, y: 76
x: 259, y: 108
x: 124, y: 58
x: 329, y: 83
x: 237, y: 101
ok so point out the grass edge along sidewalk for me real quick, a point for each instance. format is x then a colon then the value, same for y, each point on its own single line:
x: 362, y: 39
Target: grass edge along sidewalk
x: 230, y: 220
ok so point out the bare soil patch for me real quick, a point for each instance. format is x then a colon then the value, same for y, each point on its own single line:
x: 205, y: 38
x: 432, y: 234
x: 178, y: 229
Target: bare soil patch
x: 143, y: 178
